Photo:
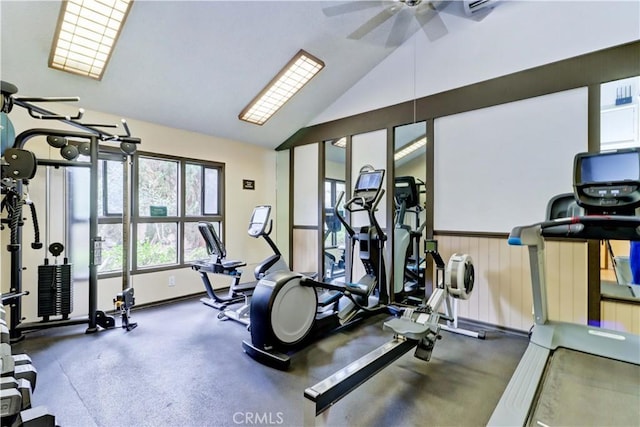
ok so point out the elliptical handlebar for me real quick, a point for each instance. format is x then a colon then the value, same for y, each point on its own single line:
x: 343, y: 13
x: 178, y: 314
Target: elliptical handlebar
x: 372, y: 217
x: 344, y: 222
x: 355, y: 200
x: 370, y: 208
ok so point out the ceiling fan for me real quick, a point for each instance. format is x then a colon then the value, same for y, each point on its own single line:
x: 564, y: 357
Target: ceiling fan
x: 426, y: 13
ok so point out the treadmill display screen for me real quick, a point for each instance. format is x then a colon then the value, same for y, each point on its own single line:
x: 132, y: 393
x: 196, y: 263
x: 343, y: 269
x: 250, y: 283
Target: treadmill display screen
x: 610, y: 167
x: 369, y: 181
x: 608, y: 183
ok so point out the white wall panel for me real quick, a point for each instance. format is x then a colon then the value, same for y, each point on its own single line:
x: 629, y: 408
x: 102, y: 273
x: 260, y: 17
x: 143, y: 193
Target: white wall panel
x: 497, y: 167
x: 305, y: 185
x: 370, y: 149
x: 282, y: 202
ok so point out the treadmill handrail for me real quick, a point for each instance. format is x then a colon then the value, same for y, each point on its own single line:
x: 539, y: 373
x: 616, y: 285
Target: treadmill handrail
x: 589, y: 227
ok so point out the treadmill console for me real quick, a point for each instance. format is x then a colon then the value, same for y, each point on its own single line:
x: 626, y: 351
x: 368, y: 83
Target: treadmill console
x: 608, y: 182
x: 259, y: 219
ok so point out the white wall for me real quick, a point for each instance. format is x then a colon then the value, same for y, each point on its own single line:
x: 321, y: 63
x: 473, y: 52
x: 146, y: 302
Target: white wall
x: 282, y: 219
x: 369, y: 149
x: 242, y: 161
x: 498, y: 167
x: 305, y: 185
x: 540, y: 33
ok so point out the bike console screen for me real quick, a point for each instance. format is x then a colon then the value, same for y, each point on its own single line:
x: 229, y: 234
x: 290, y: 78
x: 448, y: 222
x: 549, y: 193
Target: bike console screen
x: 259, y: 220
x: 608, y: 182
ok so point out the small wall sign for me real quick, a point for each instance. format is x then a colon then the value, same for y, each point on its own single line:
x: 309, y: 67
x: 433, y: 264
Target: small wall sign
x: 157, y: 211
x: 248, y: 184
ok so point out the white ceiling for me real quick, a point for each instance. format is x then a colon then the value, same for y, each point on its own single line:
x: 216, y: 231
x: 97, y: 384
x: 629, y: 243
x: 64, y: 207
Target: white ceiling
x: 195, y: 65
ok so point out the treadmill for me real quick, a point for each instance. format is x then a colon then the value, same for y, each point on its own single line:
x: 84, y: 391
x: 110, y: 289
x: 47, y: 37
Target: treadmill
x: 575, y: 374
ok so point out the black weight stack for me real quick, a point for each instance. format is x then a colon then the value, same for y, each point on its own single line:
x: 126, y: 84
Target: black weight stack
x: 55, y: 291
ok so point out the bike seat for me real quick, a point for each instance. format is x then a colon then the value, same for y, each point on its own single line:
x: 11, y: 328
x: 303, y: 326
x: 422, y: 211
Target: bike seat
x: 232, y: 264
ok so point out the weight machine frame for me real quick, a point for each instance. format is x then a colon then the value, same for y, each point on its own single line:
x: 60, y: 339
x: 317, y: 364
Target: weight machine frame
x: 90, y: 132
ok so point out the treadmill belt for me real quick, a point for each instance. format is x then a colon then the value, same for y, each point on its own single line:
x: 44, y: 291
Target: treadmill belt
x: 580, y: 389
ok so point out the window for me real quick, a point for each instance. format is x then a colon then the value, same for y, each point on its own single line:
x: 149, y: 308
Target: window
x: 202, y: 200
x: 77, y: 216
x: 169, y: 197
x: 110, y: 198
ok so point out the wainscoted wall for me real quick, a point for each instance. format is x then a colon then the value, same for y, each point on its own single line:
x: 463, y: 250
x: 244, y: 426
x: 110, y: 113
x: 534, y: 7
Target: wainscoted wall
x: 502, y: 293
x: 620, y: 316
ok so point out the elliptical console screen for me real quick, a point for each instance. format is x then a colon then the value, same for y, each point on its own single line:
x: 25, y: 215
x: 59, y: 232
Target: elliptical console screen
x: 369, y: 181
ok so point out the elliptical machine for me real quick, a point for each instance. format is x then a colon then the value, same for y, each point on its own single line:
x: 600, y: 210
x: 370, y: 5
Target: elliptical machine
x: 408, y: 275
x: 289, y: 310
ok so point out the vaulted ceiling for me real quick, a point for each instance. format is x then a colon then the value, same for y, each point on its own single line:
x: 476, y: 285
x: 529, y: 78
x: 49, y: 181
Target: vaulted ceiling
x: 195, y: 65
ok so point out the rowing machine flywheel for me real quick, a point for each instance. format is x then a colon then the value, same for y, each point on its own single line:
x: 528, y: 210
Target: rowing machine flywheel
x: 459, y: 276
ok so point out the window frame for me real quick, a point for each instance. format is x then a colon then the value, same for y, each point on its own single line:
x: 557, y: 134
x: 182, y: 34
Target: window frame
x: 180, y: 219
x: 109, y: 153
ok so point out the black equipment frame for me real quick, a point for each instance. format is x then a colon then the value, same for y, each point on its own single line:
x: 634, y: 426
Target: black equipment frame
x: 94, y: 134
x: 95, y: 317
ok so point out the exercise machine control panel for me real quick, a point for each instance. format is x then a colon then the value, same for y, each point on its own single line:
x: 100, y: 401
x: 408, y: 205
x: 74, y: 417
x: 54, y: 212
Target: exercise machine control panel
x: 259, y: 219
x: 608, y: 182
x: 368, y: 185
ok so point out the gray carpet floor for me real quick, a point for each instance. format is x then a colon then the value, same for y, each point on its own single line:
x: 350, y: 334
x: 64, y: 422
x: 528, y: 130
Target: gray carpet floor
x: 184, y: 367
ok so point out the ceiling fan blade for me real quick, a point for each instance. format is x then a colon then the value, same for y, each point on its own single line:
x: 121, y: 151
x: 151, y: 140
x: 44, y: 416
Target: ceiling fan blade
x: 398, y: 32
x: 429, y: 18
x: 350, y: 6
x: 376, y: 21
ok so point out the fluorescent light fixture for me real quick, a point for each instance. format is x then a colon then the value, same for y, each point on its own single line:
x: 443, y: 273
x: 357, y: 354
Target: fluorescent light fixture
x: 408, y: 149
x: 302, y: 67
x: 341, y: 143
x: 86, y: 34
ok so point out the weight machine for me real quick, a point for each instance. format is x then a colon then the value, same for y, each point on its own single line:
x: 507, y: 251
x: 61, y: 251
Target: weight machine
x: 19, y: 166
